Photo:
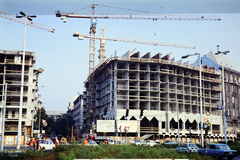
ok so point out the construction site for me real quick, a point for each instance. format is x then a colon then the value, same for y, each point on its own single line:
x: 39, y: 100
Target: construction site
x: 139, y: 96
x: 143, y: 93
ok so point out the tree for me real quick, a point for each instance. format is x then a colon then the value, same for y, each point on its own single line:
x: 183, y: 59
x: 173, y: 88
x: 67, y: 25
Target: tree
x: 62, y: 125
x: 41, y: 114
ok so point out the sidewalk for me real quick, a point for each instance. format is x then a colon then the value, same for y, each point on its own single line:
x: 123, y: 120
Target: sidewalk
x: 12, y: 148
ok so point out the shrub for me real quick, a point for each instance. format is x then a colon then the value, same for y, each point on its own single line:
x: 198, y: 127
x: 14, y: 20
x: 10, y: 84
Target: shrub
x: 235, y: 146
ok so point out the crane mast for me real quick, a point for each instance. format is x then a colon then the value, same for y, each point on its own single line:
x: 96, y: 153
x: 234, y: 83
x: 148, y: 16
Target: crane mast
x: 33, y: 24
x: 92, y: 40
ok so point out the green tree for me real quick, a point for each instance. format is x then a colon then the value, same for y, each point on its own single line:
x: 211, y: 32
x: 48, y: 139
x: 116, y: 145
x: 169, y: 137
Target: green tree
x: 50, y: 123
x: 41, y: 114
x: 62, y: 125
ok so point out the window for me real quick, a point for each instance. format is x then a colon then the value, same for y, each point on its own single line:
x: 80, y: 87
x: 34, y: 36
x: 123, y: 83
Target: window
x: 163, y: 125
x: 233, y: 99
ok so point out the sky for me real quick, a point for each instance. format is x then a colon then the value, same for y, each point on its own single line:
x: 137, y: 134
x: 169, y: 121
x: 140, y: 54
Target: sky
x: 65, y: 59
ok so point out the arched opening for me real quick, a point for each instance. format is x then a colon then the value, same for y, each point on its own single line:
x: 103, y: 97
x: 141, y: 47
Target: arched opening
x: 173, y: 124
x: 144, y: 124
x: 154, y: 124
x: 193, y: 125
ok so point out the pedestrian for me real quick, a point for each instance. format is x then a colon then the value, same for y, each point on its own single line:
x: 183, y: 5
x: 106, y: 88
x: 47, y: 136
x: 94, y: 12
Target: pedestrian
x: 56, y: 141
x: 85, y: 142
x: 37, y: 144
x: 31, y: 143
x: 105, y: 141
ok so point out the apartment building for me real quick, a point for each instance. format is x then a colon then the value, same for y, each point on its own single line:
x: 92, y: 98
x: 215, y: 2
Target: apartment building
x: 10, y: 73
x: 142, y: 93
x: 231, y: 88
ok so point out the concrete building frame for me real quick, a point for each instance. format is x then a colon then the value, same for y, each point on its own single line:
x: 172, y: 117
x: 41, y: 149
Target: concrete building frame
x: 153, y: 84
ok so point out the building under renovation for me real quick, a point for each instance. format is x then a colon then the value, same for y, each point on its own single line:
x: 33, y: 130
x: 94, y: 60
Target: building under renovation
x: 231, y: 91
x: 140, y: 95
x: 10, y: 73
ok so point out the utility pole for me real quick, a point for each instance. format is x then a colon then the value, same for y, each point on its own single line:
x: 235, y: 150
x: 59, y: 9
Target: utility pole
x: 223, y: 94
x: 3, y: 118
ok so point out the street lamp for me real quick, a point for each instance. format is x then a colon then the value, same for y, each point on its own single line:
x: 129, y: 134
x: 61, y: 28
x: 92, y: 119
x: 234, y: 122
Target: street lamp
x: 223, y: 95
x: 27, y: 17
x: 200, y: 85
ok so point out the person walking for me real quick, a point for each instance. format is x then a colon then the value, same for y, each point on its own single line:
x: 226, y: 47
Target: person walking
x: 56, y: 141
x: 31, y: 143
x: 85, y: 142
x: 37, y: 144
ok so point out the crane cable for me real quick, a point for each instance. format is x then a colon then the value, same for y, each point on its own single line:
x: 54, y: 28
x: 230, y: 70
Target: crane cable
x: 128, y: 9
x: 115, y: 8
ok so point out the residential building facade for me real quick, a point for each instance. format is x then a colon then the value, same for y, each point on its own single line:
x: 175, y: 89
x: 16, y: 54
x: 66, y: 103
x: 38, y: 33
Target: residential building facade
x: 231, y: 88
x: 10, y: 73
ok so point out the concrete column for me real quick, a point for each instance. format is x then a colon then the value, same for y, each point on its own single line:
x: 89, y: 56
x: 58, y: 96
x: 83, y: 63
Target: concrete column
x: 138, y: 128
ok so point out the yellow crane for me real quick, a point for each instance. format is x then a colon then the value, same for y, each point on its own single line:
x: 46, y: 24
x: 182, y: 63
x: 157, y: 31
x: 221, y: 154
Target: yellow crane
x: 120, y: 39
x: 21, y: 20
x: 154, y: 17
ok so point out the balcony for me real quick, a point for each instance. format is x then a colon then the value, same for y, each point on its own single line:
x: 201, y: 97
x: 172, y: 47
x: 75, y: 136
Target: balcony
x: 149, y: 129
x: 12, y: 128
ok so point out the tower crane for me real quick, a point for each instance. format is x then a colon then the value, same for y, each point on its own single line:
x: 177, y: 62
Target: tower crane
x: 90, y: 82
x: 33, y: 24
x: 153, y: 17
x: 120, y: 39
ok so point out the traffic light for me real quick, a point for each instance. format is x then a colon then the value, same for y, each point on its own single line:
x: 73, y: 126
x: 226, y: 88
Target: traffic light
x: 105, y: 111
x: 141, y: 113
x: 127, y: 112
x: 94, y: 127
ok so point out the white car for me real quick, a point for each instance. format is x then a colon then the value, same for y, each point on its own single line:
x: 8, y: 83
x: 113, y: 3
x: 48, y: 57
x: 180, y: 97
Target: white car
x: 188, y: 148
x: 114, y: 142
x: 149, y: 143
x: 137, y: 142
x: 46, y: 145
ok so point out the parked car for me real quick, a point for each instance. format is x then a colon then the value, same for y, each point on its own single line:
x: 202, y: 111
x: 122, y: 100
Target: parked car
x: 187, y: 148
x: 46, y: 145
x: 218, y: 151
x: 137, y: 142
x: 113, y: 142
x: 149, y: 143
x: 169, y: 142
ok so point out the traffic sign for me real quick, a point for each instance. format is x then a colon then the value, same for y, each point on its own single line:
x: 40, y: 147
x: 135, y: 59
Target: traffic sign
x: 208, y: 123
x: 205, y: 126
x: 205, y: 120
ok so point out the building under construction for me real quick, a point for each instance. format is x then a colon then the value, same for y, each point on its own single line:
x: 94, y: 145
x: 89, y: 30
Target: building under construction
x: 142, y: 93
x: 10, y: 73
